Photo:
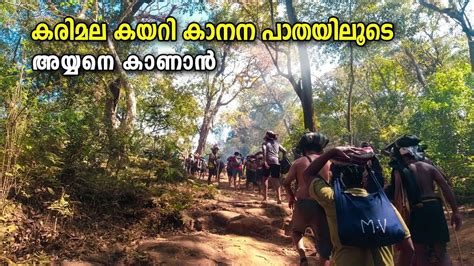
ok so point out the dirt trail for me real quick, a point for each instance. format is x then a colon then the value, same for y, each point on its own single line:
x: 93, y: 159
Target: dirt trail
x: 235, y: 229
x: 239, y: 229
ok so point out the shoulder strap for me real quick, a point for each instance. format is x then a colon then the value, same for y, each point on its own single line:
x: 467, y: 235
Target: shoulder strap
x: 374, y: 179
x: 410, y: 184
x: 309, y: 158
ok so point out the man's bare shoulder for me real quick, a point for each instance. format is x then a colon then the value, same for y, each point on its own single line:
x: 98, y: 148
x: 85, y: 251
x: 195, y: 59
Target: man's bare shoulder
x: 301, y: 161
x: 423, y: 164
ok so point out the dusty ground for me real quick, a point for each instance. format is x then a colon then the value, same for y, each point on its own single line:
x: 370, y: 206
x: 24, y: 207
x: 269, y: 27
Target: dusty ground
x: 465, y: 238
x: 237, y: 228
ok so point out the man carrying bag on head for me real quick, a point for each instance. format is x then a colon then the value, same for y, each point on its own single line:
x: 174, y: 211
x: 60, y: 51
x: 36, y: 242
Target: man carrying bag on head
x: 362, y: 226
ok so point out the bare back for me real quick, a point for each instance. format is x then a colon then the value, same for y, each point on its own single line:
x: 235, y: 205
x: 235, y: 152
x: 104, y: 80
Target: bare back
x: 425, y: 176
x: 297, y: 170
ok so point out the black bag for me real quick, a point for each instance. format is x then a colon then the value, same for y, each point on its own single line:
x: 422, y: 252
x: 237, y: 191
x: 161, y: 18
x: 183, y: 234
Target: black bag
x: 285, y: 165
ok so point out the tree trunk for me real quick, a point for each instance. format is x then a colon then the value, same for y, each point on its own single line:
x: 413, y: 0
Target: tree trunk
x: 205, y: 127
x: 128, y: 123
x: 111, y: 122
x: 111, y: 102
x: 419, y: 72
x: 305, y: 67
x: 307, y: 90
x: 351, y: 86
x: 460, y: 16
x: 131, y: 107
x: 279, y: 104
x: 470, y: 43
x: 349, y: 97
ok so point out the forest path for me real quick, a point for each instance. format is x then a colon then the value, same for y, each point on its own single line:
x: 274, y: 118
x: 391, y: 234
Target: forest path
x: 236, y: 228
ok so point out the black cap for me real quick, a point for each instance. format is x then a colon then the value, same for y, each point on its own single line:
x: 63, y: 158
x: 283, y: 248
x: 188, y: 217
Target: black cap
x: 313, y: 139
x: 407, y: 141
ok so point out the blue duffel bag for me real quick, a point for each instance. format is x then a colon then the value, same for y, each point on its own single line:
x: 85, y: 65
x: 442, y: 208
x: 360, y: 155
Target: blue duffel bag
x: 366, y: 221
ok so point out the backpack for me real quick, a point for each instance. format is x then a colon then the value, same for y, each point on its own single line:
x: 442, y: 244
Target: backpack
x: 234, y: 162
x: 366, y: 222
x: 409, y: 183
x: 210, y: 163
x: 285, y: 165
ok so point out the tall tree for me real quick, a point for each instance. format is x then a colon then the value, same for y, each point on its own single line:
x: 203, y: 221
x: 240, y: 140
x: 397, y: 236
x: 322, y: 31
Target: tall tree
x: 270, y: 105
x: 351, y: 85
x: 264, y: 15
x: 349, y: 96
x: 116, y: 14
x: 305, y: 92
x: 235, y: 73
x: 456, y: 10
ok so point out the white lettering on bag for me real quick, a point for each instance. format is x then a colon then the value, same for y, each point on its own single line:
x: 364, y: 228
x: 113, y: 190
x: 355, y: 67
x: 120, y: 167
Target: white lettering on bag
x: 370, y: 223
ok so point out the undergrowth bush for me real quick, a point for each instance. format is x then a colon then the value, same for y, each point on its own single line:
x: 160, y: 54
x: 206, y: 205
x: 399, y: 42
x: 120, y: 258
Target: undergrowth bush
x: 463, y: 189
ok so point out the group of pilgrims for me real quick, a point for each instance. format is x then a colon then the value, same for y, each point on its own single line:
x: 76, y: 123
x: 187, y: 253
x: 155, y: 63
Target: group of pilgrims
x: 356, y: 215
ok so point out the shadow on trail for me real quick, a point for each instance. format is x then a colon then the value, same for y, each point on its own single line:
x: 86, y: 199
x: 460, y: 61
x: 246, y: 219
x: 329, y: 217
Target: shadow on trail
x: 235, y: 227
x: 194, y: 248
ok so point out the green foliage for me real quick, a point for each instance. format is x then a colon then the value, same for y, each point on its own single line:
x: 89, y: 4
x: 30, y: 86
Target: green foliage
x: 444, y: 120
x: 413, y: 85
x: 292, y: 139
x: 167, y: 106
x: 62, y: 206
